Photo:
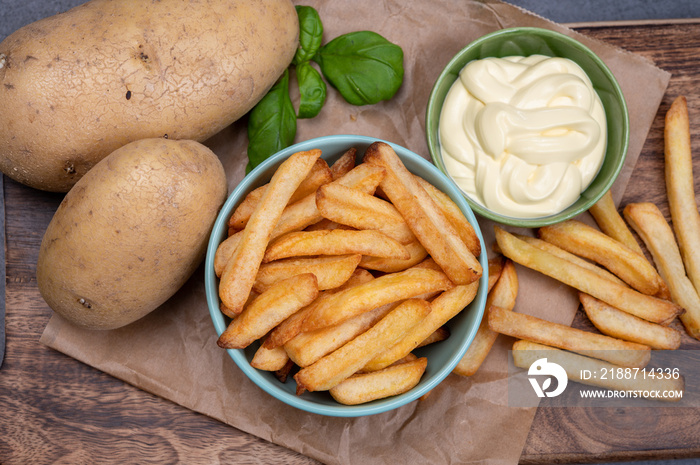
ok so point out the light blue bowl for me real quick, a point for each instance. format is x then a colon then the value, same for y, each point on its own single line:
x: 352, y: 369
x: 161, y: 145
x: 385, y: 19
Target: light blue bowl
x: 442, y: 356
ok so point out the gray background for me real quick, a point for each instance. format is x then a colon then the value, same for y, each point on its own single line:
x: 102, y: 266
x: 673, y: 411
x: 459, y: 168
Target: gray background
x: 16, y: 13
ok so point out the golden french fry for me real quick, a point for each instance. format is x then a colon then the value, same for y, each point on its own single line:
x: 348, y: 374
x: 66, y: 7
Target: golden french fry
x: 495, y: 268
x: 239, y: 273
x: 525, y: 353
x: 454, y: 215
x: 680, y: 187
x: 444, y: 307
x: 610, y: 221
x: 320, y: 174
x: 290, y: 327
x: 391, y: 265
x: 522, y: 326
x: 334, y: 242
x: 331, y: 271
x: 344, y: 164
x: 438, y: 335
x: 268, y: 310
x: 649, y: 223
x: 306, y: 348
x: 616, y: 323
x: 269, y: 359
x: 225, y: 251
x: 587, y: 242
x: 380, y: 291
x: 397, y: 379
x: 340, y: 364
x: 425, y: 219
x: 644, y: 306
x: 362, y: 211
x: 503, y: 294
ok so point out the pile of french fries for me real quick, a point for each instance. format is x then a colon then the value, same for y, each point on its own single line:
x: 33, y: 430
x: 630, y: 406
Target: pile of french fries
x: 622, y: 293
x: 341, y: 271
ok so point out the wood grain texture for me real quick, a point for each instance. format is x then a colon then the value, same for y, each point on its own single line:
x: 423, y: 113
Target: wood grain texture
x: 54, y: 409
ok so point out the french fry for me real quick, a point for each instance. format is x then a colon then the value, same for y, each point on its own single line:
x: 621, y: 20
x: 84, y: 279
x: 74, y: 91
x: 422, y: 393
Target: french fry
x: 340, y: 364
x: 362, y: 211
x: 239, y: 273
x: 680, y: 187
x: 503, y: 294
x: 290, y: 327
x: 525, y: 353
x: 283, y: 373
x: 268, y: 310
x: 444, y: 307
x: 320, y: 174
x: 522, y: 326
x: 335, y: 242
x: 331, y: 271
x: 585, y: 241
x: 380, y: 291
x: 610, y: 221
x: 425, y: 219
x: 438, y: 335
x: 496, y: 265
x: 270, y: 359
x: 616, y: 323
x: 649, y: 223
x: 344, y: 164
x: 454, y: 215
x: 391, y: 265
x: 397, y: 379
x: 644, y: 306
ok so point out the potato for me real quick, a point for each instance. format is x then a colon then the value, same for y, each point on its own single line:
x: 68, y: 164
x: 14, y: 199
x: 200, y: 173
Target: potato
x: 131, y: 232
x: 79, y: 85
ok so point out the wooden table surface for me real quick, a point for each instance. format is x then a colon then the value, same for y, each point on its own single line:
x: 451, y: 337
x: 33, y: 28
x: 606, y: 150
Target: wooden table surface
x: 56, y: 409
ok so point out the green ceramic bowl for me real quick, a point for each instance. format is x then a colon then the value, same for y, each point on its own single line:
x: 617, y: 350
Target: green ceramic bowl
x: 524, y: 41
x: 442, y: 356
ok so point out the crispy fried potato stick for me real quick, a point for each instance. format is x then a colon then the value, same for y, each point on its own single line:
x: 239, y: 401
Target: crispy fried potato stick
x: 331, y: 271
x: 522, y: 326
x: 680, y: 187
x: 268, y: 310
x: 585, y: 241
x: 427, y: 222
x: 392, y: 265
x: 525, y: 353
x: 239, y: 273
x: 610, y: 221
x: 269, y: 359
x: 626, y: 299
x: 340, y: 364
x: 616, y: 323
x: 397, y: 379
x: 503, y: 294
x: 648, y: 221
x: 344, y: 164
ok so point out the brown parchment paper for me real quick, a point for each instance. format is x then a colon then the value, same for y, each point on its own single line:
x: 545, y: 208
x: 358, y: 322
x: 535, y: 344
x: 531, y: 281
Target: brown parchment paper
x: 172, y: 352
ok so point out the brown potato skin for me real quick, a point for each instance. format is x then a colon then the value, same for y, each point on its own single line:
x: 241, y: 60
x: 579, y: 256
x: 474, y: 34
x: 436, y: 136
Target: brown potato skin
x: 130, y: 232
x: 76, y: 86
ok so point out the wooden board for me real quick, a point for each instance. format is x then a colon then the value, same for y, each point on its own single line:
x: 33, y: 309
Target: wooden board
x: 54, y: 408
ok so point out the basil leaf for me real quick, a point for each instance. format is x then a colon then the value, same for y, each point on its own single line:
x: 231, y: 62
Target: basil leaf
x: 272, y: 124
x: 312, y: 91
x: 310, y: 34
x: 364, y: 66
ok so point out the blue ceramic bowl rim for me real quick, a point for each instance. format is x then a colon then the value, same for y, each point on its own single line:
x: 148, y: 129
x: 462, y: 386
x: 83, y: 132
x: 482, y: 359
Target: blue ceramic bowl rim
x: 433, y: 139
x: 211, y: 286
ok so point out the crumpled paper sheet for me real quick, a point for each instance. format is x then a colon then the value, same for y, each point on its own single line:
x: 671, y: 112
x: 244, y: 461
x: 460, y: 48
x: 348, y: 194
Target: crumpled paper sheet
x: 173, y: 353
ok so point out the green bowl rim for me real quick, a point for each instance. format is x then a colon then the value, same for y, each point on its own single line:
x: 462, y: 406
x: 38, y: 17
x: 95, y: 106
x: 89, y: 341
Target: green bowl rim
x: 238, y: 356
x: 433, y: 139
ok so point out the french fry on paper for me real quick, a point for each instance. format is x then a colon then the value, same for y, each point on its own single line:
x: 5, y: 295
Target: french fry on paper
x: 503, y: 294
x: 522, y: 326
x: 425, y: 219
x: 340, y: 364
x: 623, y: 298
x: 648, y: 221
x: 610, y: 221
x: 331, y: 271
x: 525, y: 353
x: 268, y: 310
x: 391, y: 381
x: 680, y: 187
x: 239, y: 273
x: 616, y: 323
x: 496, y: 265
x: 585, y: 241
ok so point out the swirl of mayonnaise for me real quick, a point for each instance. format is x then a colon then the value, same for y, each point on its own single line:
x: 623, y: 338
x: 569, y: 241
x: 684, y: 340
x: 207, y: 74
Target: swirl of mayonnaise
x: 523, y: 136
